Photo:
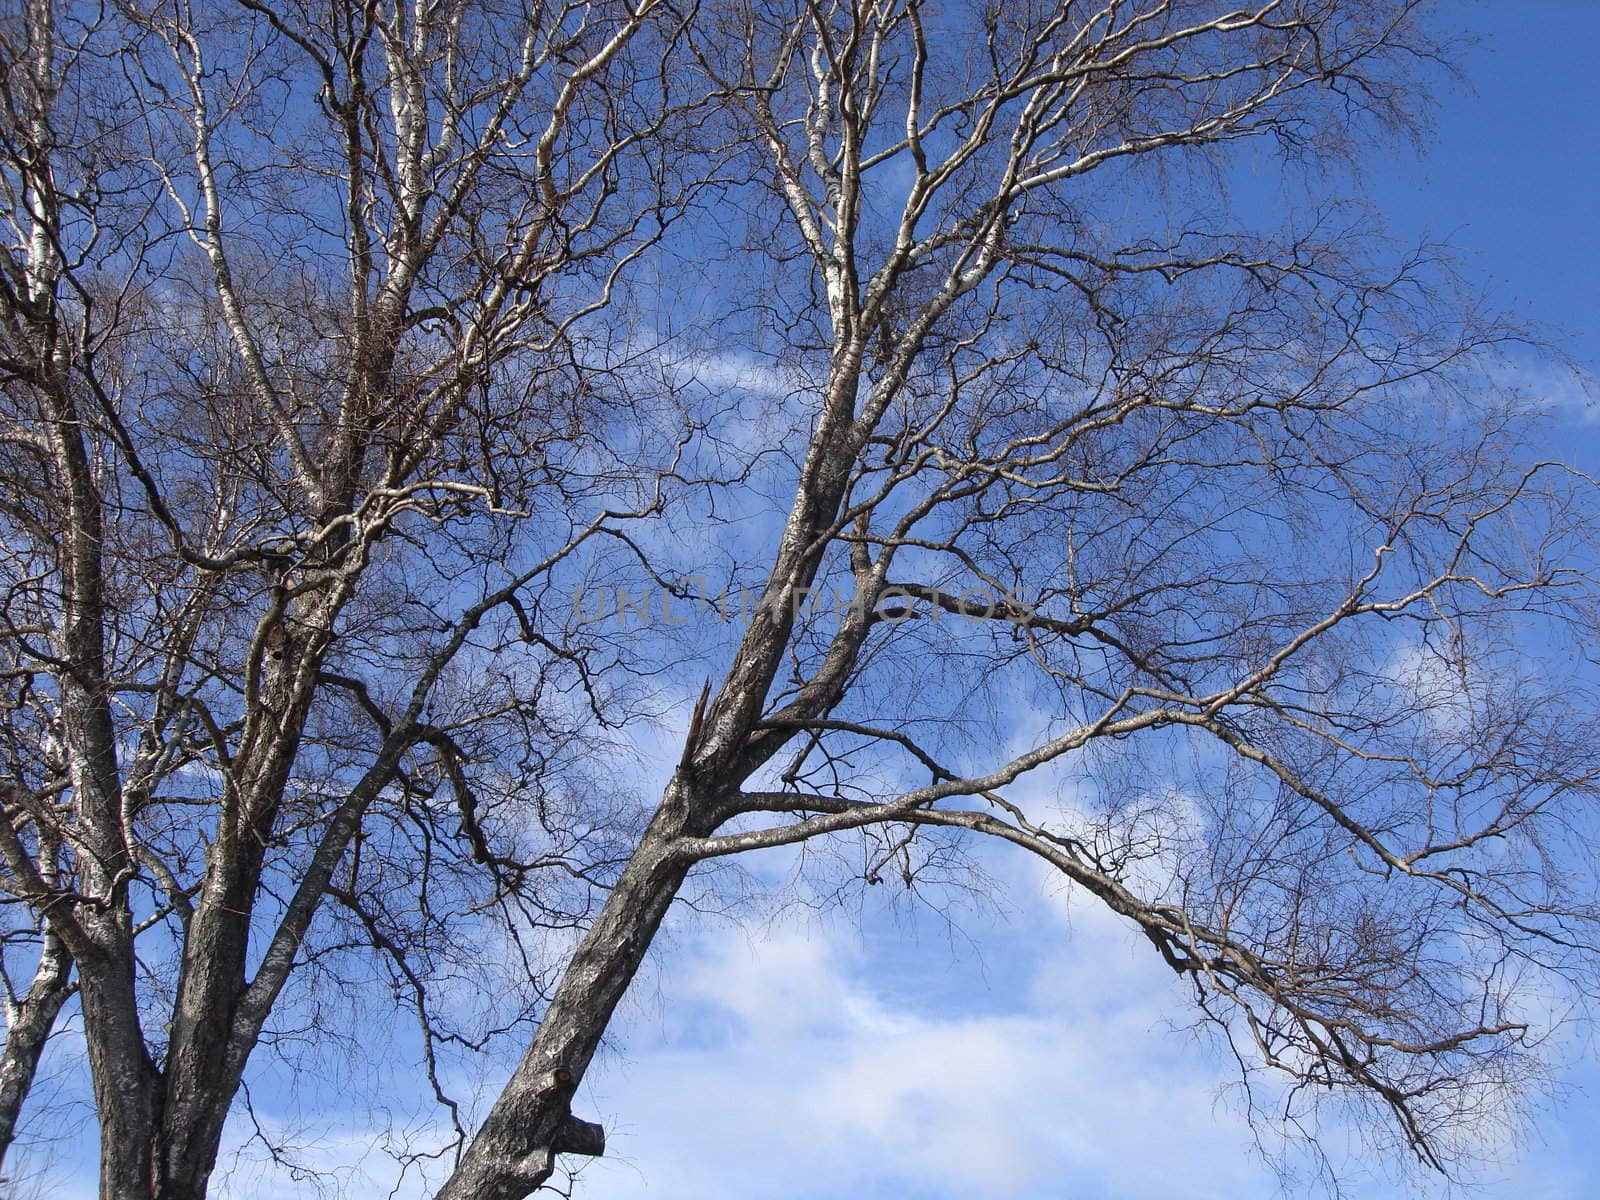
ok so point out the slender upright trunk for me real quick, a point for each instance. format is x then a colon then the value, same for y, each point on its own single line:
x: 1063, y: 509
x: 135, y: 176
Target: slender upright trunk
x: 127, y: 1085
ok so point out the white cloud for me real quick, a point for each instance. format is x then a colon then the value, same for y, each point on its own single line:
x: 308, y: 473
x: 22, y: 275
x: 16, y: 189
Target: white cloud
x: 801, y: 1064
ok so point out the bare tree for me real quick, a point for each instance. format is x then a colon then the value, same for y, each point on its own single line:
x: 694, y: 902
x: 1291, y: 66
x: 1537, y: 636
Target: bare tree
x: 324, y: 389
x: 309, y: 395
x: 1204, y: 494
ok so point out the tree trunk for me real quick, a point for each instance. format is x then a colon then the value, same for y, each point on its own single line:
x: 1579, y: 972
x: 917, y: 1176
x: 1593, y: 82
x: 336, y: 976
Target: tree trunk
x: 127, y: 1085
x: 514, y: 1152
x: 28, y: 1029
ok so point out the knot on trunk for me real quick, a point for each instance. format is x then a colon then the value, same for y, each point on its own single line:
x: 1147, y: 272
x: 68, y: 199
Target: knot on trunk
x: 571, y: 1135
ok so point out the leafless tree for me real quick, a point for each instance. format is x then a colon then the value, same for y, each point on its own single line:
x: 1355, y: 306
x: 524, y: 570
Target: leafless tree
x: 309, y: 395
x: 1203, y: 493
x: 324, y: 388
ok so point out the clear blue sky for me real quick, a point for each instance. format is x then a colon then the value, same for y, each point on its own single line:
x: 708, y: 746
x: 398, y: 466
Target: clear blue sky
x: 1512, y: 173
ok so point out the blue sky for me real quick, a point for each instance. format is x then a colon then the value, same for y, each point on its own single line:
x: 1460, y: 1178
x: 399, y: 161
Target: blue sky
x: 1511, y: 175
x: 1023, y: 1050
